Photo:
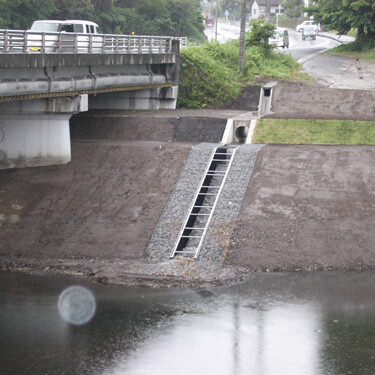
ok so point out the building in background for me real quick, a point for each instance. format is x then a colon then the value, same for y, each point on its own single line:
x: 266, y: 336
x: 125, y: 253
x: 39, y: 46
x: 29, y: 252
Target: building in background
x: 259, y: 8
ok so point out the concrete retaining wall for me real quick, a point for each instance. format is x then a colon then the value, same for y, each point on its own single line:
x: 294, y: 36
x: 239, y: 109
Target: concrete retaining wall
x: 144, y: 128
x: 298, y: 100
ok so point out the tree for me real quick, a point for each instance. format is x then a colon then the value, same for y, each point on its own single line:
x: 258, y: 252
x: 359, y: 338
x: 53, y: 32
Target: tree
x: 343, y: 15
x: 259, y: 34
x: 187, y: 19
x: 20, y: 14
x: 233, y: 6
x: 76, y: 9
x: 293, y: 8
x: 147, y: 17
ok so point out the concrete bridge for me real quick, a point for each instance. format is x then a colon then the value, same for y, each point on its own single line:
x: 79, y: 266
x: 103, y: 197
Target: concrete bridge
x: 46, y: 78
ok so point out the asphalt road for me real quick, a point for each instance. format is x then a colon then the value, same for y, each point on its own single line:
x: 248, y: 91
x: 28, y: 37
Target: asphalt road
x: 303, y: 50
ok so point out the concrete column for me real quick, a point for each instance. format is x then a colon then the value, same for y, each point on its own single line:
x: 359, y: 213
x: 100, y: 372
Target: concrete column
x: 36, y: 132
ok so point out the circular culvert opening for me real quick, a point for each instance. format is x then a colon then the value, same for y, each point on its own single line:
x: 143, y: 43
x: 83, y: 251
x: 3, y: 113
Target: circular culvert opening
x: 240, y: 133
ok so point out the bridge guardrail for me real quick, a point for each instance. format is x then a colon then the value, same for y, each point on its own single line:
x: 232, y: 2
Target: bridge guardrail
x: 20, y: 41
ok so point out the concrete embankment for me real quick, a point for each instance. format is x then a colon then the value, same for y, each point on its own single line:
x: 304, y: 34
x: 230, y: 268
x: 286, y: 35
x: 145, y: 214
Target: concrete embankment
x: 101, y: 209
x: 307, y: 207
x: 313, y: 101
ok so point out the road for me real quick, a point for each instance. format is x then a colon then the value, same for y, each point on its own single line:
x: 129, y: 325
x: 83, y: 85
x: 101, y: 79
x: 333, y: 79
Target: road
x: 330, y: 70
x: 225, y: 31
x: 304, y: 50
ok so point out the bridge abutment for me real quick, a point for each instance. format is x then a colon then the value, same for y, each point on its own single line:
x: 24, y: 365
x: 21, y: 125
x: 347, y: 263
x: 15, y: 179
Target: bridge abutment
x: 155, y: 98
x: 36, y: 132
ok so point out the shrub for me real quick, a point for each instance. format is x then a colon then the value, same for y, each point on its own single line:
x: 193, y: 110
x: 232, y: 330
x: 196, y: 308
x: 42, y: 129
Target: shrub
x: 210, y: 75
x: 206, y: 79
x: 259, y: 34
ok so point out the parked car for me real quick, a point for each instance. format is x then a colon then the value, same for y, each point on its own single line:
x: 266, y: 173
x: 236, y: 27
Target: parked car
x: 280, y: 38
x: 301, y: 26
x: 209, y: 21
x: 309, y: 32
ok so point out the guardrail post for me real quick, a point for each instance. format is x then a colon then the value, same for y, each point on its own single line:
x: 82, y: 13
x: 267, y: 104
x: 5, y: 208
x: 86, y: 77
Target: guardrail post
x: 169, y: 49
x: 129, y: 44
x: 90, y: 43
x: 160, y: 45
x: 116, y: 44
x: 140, y: 45
x: 59, y: 43
x: 6, y: 41
x: 25, y: 42
x: 103, y: 44
x: 151, y: 45
x: 76, y: 43
x: 43, y: 48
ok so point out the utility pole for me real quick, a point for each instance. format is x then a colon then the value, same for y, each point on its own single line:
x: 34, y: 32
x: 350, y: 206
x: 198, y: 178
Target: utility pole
x: 268, y: 9
x: 216, y: 11
x: 241, y: 59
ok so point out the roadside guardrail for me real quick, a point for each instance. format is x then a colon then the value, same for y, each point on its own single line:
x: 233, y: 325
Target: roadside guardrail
x: 22, y: 41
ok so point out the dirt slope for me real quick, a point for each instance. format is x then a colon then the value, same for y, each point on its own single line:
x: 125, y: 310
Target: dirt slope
x: 308, y: 207
x: 104, y: 204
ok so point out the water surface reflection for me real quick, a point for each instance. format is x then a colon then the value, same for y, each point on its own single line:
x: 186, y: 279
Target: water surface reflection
x: 273, y: 324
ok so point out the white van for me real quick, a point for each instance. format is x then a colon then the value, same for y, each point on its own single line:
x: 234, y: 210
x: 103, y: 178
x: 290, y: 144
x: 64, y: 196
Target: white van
x: 68, y: 26
x: 56, y: 35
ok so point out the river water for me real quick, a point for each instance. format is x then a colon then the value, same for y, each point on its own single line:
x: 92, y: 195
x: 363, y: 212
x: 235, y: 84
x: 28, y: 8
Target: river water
x: 320, y: 323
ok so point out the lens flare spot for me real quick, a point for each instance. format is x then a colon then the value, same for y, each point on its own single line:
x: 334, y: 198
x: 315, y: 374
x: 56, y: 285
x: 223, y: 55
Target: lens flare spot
x: 77, y: 305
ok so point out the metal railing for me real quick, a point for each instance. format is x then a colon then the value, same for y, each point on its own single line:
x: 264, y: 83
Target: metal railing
x: 20, y: 41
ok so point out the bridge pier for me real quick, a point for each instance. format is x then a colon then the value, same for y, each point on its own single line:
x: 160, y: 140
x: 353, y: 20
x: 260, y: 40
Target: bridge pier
x: 36, y: 132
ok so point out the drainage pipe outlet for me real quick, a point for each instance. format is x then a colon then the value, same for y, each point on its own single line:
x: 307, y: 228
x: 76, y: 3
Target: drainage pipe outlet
x: 240, y: 133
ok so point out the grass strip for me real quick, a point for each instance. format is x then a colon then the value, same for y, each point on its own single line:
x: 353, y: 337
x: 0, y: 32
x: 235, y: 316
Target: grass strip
x: 296, y: 131
x: 350, y: 50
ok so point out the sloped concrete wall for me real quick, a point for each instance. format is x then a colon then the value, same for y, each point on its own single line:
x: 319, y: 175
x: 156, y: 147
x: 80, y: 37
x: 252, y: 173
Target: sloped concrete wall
x: 313, y: 101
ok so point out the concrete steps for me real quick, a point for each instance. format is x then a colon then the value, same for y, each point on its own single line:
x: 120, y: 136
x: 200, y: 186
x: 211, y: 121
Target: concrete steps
x: 227, y: 208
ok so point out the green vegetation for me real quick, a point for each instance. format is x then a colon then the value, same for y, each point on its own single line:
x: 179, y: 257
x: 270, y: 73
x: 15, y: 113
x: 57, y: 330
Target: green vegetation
x: 259, y: 35
x: 143, y: 17
x: 285, y: 21
x: 233, y: 6
x: 292, y: 131
x: 345, y: 15
x: 351, y: 50
x: 210, y: 76
x: 293, y: 8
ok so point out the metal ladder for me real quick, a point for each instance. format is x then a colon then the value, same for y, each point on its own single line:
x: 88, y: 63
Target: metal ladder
x: 195, y: 227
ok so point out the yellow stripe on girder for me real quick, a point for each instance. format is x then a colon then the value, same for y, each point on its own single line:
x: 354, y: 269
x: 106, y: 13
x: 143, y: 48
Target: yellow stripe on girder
x: 56, y: 94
